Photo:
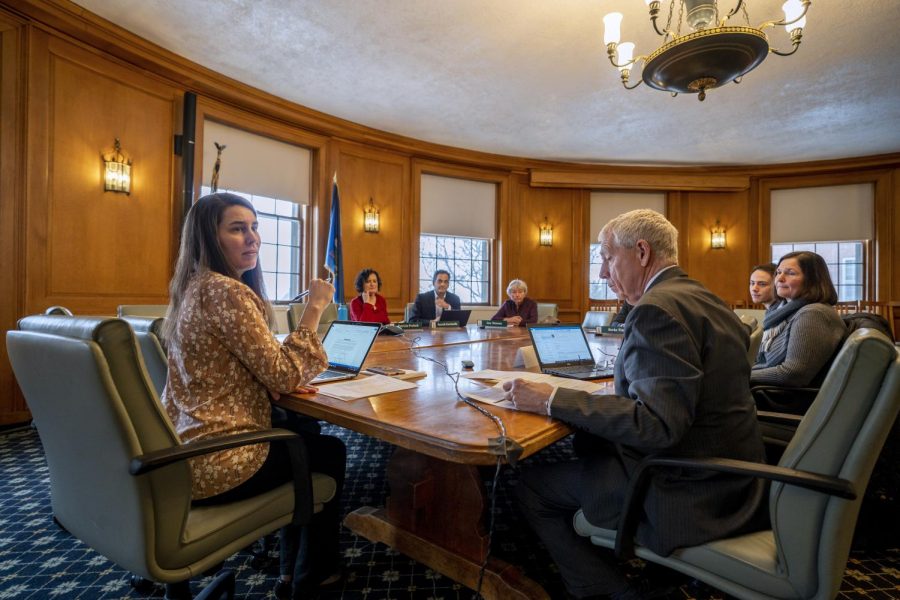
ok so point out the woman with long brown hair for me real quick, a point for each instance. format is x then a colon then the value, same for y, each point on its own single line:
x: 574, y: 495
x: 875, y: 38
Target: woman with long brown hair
x: 225, y: 364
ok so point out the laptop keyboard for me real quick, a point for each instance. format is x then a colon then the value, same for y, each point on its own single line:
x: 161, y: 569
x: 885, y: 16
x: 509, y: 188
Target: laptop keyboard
x: 329, y: 374
x: 596, y: 371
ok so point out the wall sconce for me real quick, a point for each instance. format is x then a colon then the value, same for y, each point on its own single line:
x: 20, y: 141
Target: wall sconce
x: 372, y: 218
x: 546, y: 233
x: 717, y: 237
x: 116, y: 171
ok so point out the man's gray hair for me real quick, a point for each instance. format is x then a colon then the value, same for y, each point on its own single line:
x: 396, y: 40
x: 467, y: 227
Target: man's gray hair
x: 644, y: 224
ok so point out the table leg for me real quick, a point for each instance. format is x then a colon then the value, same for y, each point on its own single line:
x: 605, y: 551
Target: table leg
x: 436, y: 514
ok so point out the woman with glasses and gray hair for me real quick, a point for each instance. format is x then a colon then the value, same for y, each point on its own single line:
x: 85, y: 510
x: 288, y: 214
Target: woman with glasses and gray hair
x: 519, y: 310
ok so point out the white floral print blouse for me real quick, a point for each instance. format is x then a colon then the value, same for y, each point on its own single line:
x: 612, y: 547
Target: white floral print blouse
x: 221, y: 363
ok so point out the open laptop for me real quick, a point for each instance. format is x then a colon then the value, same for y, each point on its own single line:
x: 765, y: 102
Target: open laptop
x: 347, y: 344
x: 456, y: 315
x: 563, y: 350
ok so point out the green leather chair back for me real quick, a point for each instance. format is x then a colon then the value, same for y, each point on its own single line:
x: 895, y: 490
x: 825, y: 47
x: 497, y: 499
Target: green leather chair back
x: 548, y: 312
x: 142, y: 310
x: 295, y: 311
x: 852, y: 415
x: 148, y: 331
x: 95, y: 409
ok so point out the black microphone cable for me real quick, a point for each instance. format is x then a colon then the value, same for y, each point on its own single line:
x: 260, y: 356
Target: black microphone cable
x: 501, y: 446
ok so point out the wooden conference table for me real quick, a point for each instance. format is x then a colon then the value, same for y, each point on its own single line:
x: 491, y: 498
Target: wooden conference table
x: 436, y: 510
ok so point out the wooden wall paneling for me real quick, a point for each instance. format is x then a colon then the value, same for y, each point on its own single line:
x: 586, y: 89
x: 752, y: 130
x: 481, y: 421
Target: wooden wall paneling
x: 637, y: 178
x: 884, y: 249
x: 511, y: 247
x: 365, y: 173
x: 503, y: 182
x: 12, y: 88
x: 88, y: 249
x: 880, y: 275
x: 677, y: 214
x: 556, y: 273
x: 320, y: 179
x: 891, y: 283
x: 723, y: 271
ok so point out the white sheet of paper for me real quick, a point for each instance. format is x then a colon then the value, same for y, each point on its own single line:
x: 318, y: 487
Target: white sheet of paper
x: 497, y: 396
x: 363, y: 387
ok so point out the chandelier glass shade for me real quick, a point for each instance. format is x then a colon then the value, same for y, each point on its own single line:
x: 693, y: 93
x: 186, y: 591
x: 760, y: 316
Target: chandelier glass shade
x: 712, y: 53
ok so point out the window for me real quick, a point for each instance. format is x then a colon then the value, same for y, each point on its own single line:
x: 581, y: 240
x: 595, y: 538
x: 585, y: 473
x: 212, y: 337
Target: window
x: 467, y: 260
x: 845, y: 260
x: 280, y: 227
x: 599, y: 289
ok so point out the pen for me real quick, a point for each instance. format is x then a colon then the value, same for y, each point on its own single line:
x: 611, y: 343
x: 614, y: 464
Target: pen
x: 329, y: 278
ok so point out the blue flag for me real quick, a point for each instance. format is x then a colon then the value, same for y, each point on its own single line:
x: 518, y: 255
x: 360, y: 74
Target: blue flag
x: 334, y: 254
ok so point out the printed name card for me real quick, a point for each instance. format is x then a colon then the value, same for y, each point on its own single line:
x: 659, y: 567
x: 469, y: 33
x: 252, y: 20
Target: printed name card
x: 490, y: 323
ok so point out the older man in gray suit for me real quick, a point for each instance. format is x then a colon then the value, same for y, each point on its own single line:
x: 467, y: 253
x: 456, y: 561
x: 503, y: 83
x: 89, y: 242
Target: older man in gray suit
x: 681, y: 389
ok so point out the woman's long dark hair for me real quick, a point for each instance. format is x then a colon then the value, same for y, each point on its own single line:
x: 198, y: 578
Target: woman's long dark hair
x: 200, y: 251
x: 817, y: 285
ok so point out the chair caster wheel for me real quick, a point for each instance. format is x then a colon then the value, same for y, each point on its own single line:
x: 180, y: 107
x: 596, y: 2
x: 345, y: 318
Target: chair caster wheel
x: 141, y: 584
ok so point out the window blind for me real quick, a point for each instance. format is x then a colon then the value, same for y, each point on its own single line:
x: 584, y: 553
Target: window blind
x: 462, y: 207
x: 823, y: 214
x: 607, y: 205
x: 256, y: 164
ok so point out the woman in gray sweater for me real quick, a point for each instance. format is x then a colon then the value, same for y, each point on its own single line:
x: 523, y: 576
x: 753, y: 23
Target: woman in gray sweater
x: 802, y: 334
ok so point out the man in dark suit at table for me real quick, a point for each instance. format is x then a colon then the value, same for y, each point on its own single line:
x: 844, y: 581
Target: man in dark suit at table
x: 681, y: 389
x: 429, y: 305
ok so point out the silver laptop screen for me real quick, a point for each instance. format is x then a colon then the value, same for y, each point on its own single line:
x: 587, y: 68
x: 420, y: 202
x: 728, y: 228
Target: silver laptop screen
x: 347, y: 345
x: 560, y: 344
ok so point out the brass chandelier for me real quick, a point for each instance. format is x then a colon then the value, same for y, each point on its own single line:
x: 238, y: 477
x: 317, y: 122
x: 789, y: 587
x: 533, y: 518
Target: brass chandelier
x: 710, y: 55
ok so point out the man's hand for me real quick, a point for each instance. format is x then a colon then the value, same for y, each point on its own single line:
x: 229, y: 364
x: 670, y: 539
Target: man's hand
x: 528, y: 396
x: 513, y: 321
x: 442, y: 303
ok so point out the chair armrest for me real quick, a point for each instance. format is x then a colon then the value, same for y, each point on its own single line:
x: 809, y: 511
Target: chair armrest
x: 637, y: 488
x: 778, y: 417
x: 793, y: 400
x: 150, y: 461
x: 303, y: 494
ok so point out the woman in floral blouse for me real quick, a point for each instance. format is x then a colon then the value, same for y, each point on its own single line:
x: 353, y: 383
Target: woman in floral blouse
x: 225, y: 364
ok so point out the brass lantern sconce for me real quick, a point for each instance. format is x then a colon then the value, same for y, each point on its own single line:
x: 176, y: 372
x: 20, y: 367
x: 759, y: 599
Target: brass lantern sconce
x: 116, y: 171
x: 717, y: 237
x: 546, y: 233
x: 372, y: 218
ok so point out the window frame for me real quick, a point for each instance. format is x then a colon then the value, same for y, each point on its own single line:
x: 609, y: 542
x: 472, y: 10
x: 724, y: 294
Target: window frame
x: 300, y: 247
x: 426, y: 278
x: 863, y: 263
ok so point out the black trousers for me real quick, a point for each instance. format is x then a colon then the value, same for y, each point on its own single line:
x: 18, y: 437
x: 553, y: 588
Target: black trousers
x: 308, y: 553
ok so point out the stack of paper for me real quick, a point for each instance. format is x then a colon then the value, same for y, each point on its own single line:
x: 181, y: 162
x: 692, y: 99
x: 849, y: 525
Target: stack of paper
x: 497, y: 396
x: 363, y: 387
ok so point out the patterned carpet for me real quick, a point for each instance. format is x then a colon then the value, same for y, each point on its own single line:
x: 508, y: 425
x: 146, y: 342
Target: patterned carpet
x: 38, y: 560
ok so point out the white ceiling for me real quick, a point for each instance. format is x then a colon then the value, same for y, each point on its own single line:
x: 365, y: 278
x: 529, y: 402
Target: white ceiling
x: 531, y: 77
